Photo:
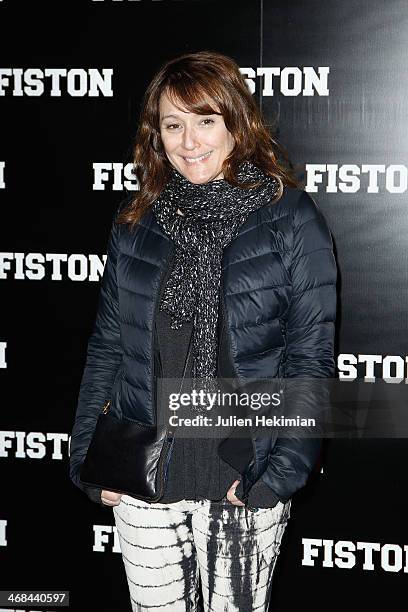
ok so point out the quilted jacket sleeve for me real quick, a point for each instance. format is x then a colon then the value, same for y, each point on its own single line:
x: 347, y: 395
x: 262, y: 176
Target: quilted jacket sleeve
x: 309, y: 343
x: 104, y: 356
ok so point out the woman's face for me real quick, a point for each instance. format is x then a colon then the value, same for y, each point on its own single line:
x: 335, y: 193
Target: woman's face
x: 196, y: 145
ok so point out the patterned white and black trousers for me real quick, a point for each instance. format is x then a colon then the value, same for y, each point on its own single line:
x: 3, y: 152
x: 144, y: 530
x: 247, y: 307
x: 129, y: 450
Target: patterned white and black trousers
x: 169, y: 549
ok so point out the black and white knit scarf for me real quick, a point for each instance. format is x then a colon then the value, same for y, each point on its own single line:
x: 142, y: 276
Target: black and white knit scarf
x: 212, y: 214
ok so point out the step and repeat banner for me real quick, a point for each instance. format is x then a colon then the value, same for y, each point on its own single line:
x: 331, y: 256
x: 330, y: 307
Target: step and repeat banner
x: 331, y: 80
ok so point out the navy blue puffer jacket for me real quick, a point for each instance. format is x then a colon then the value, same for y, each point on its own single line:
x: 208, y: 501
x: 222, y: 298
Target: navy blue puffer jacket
x: 278, y: 295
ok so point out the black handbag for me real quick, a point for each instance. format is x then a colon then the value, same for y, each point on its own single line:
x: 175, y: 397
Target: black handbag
x: 128, y: 457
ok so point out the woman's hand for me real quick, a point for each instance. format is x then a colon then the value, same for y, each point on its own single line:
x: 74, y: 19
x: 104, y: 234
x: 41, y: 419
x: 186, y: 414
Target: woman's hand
x: 109, y: 498
x: 231, y: 494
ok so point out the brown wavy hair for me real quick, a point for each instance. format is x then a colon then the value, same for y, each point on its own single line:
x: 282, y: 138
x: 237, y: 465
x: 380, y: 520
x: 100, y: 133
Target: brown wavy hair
x: 204, y: 83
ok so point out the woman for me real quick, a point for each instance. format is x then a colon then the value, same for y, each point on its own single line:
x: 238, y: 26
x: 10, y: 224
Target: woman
x: 222, y: 266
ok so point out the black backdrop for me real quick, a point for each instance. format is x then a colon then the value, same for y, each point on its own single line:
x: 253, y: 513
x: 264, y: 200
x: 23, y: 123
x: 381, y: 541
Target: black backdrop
x: 338, y: 103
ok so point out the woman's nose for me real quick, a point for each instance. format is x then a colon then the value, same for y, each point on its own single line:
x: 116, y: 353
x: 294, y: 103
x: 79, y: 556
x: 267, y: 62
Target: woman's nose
x: 189, y: 139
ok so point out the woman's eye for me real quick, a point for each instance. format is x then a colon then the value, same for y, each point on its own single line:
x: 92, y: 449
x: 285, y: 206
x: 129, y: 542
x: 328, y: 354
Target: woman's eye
x: 175, y: 126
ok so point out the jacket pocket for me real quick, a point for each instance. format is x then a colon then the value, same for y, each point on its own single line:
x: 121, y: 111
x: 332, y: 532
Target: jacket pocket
x: 114, y: 399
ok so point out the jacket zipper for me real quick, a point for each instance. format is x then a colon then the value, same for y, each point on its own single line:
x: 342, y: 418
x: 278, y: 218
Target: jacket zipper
x: 253, y: 462
x: 106, y: 407
x: 169, y: 261
x: 281, y: 368
x: 170, y: 434
x: 160, y: 470
x: 167, y: 445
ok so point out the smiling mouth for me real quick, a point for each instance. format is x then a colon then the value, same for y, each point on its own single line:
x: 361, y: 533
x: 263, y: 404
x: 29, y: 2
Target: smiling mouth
x: 194, y: 160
